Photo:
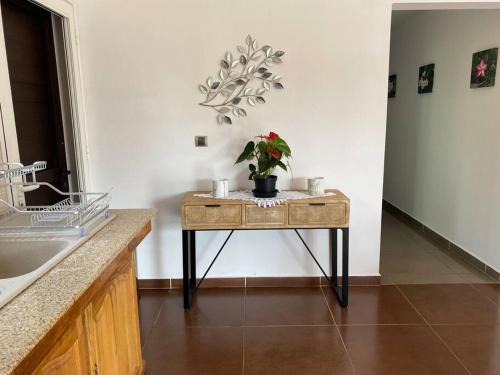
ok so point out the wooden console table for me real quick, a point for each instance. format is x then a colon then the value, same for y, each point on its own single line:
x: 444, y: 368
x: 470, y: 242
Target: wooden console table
x: 329, y: 212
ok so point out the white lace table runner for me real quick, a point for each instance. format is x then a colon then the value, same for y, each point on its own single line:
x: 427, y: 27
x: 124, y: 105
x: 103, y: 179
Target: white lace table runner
x: 282, y: 197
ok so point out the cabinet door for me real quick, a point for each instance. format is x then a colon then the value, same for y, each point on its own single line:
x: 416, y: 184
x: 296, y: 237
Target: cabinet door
x: 69, y: 356
x: 101, y: 331
x: 126, y: 316
x: 113, y: 325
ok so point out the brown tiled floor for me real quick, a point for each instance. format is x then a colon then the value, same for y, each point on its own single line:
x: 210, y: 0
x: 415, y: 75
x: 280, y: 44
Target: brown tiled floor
x: 391, y: 329
x: 449, y: 325
x: 286, y: 306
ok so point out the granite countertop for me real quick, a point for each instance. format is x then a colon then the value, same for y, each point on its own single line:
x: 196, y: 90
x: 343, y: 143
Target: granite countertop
x: 28, y: 317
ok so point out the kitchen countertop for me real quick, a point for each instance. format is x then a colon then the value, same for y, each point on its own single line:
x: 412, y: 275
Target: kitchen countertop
x: 26, y: 319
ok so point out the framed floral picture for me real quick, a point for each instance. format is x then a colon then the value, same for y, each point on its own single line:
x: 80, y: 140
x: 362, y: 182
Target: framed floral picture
x: 425, y: 79
x: 484, y: 68
x: 392, y: 86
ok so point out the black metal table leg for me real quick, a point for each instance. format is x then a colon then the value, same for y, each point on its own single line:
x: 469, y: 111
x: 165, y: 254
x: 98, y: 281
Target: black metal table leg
x: 341, y: 291
x: 345, y: 267
x: 334, y: 255
x: 186, y: 268
x: 189, y: 283
x: 192, y: 258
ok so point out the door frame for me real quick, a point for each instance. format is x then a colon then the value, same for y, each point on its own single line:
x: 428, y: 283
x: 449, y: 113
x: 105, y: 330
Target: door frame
x: 67, y: 11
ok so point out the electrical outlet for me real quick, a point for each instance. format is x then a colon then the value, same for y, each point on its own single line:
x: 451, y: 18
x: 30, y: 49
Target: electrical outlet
x: 200, y: 141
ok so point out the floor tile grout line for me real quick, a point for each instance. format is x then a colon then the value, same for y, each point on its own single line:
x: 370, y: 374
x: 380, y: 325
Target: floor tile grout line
x: 442, y: 251
x: 243, y: 327
x: 155, y: 321
x: 148, y: 333
x: 205, y: 327
x: 434, y: 331
x: 382, y: 324
x: 464, y: 324
x: 459, y: 281
x: 330, y: 325
x: 244, y: 344
x: 252, y: 326
x: 493, y: 282
x: 473, y: 286
x: 440, y: 259
x: 244, y: 306
x: 481, y: 294
x: 286, y: 325
x: 328, y: 307
x: 338, y: 332
x: 145, y: 341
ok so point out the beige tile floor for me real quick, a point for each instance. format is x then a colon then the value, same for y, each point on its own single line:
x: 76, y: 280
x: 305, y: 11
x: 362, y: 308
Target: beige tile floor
x: 408, y: 258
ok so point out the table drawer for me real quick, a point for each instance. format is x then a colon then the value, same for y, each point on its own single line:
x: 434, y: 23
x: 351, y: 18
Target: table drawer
x: 213, y: 214
x: 317, y: 214
x: 255, y: 215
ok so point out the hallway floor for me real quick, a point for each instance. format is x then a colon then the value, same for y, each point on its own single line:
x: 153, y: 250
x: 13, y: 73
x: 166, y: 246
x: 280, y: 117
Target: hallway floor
x: 389, y: 329
x: 406, y: 257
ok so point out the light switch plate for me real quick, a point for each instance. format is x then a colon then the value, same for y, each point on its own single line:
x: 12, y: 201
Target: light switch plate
x: 200, y: 141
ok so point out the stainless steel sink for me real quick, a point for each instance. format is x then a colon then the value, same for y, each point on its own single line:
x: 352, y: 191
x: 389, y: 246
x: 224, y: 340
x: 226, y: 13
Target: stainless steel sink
x: 18, y: 258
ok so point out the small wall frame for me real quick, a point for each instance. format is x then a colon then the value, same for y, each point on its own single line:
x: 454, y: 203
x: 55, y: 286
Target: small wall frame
x: 484, y: 68
x: 425, y: 79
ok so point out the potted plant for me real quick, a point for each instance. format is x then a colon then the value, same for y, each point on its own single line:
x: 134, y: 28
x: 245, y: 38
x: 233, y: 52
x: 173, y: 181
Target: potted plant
x: 268, y: 153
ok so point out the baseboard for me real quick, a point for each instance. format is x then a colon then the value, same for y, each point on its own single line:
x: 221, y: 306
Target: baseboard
x: 215, y: 282
x: 440, y: 241
x: 255, y: 282
x: 154, y: 284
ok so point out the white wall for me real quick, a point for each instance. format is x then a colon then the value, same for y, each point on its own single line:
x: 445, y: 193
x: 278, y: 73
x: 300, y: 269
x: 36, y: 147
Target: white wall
x: 443, y: 148
x: 142, y: 61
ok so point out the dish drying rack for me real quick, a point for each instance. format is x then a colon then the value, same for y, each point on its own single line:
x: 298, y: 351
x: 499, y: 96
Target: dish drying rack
x: 72, y: 215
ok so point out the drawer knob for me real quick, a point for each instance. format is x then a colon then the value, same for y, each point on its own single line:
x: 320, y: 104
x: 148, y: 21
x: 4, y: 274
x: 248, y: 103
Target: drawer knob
x: 212, y: 205
x: 317, y: 204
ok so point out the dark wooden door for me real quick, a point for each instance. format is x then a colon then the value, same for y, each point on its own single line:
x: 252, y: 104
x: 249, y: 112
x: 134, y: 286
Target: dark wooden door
x: 35, y: 94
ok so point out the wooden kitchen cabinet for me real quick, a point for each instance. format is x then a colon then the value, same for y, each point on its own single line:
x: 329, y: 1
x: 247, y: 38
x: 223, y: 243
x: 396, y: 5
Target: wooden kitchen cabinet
x: 99, y: 335
x: 69, y: 356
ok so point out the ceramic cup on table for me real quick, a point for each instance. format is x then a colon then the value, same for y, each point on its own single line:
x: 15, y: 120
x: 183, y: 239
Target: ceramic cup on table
x: 316, y: 186
x: 220, y: 188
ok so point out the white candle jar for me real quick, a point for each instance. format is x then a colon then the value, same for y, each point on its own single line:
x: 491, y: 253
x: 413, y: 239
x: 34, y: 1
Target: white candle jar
x: 220, y: 188
x: 316, y: 186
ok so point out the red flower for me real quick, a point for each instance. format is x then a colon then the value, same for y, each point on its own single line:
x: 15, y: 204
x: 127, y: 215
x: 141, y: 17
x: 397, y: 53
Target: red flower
x: 273, y: 135
x: 269, y: 137
x: 481, y: 68
x: 274, y: 153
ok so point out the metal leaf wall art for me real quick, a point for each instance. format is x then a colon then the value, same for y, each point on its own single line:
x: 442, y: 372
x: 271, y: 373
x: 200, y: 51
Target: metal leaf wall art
x: 243, y: 77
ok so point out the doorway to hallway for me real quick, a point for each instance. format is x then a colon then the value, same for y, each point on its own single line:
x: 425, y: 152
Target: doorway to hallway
x: 440, y: 147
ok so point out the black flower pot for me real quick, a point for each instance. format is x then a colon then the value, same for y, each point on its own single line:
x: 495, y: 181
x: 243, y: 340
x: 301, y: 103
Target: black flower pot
x: 265, y: 187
